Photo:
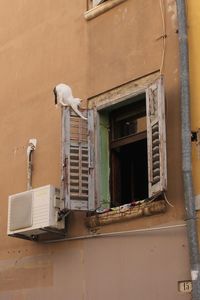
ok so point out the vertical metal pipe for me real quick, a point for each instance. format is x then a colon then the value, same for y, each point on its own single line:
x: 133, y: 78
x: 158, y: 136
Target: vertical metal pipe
x: 29, y: 171
x: 186, y: 151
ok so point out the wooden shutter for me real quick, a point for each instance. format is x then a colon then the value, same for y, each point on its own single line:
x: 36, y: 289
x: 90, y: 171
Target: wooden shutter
x: 78, y: 160
x: 156, y: 137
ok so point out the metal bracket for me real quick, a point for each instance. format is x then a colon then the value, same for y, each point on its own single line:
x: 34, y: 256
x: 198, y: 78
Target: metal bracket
x: 193, y: 136
x: 63, y: 214
x: 31, y: 145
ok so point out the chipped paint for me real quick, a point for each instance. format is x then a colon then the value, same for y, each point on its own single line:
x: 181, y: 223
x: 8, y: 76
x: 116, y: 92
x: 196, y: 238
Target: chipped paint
x: 194, y: 274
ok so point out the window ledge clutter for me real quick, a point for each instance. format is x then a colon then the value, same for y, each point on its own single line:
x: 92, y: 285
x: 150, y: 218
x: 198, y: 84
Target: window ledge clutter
x: 100, y: 9
x: 126, y: 212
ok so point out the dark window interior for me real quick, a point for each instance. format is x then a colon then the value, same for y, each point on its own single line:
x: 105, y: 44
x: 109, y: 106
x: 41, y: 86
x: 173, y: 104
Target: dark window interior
x: 128, y: 150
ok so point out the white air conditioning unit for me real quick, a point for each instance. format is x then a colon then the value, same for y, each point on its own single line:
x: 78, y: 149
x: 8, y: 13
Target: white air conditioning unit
x: 35, y: 212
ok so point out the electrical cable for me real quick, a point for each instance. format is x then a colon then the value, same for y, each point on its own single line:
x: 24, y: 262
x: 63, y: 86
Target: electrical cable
x: 163, y: 35
x: 119, y: 233
x: 167, y: 201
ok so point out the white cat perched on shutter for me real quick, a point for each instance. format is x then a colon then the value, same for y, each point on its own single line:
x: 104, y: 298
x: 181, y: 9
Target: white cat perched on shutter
x: 64, y: 97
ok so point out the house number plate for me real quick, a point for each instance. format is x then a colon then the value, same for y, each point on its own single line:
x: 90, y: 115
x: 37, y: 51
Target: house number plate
x: 185, y: 286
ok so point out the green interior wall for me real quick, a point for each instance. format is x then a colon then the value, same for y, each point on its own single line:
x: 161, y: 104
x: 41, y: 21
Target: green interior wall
x: 104, y: 160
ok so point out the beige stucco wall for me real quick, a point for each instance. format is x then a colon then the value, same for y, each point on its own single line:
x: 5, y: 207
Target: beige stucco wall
x: 194, y: 42
x: 43, y: 43
x: 194, y: 62
x: 144, y: 267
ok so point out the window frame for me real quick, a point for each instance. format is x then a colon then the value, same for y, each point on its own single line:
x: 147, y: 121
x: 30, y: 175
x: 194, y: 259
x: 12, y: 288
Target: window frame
x: 98, y: 180
x: 123, y: 98
x: 103, y: 145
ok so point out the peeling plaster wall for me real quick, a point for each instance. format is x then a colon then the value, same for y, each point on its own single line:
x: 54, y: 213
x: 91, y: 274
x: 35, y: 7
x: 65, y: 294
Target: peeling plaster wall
x: 43, y: 43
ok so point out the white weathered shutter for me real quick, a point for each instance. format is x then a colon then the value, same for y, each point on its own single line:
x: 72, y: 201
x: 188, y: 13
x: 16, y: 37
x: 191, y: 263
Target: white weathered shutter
x: 97, y: 2
x: 156, y: 137
x: 78, y: 160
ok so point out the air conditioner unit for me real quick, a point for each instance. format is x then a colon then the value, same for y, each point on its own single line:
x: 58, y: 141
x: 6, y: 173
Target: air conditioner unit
x: 35, y: 212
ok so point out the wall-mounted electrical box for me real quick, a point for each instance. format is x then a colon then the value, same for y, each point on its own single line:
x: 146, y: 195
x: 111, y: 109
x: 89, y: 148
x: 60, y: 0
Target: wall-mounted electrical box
x: 35, y: 213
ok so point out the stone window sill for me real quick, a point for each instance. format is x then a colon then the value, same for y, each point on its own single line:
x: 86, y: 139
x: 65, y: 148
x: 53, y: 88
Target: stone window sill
x: 143, y: 210
x: 100, y: 9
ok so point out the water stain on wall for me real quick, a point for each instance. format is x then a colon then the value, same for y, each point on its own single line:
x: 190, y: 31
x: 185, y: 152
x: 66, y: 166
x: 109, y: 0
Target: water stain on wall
x: 27, y: 272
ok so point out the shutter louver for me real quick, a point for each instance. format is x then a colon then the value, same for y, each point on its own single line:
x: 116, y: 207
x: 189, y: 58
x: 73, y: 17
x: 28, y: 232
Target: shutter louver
x: 156, y: 137
x: 76, y: 162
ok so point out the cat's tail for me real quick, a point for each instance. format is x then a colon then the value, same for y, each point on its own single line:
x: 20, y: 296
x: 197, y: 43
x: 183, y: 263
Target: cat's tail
x: 75, y: 109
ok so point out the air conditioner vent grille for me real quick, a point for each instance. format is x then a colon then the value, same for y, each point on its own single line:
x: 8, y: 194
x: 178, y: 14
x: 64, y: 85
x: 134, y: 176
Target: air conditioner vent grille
x: 21, y: 211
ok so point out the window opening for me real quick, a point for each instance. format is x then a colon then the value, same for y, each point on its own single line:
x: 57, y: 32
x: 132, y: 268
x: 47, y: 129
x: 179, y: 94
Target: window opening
x: 128, y: 153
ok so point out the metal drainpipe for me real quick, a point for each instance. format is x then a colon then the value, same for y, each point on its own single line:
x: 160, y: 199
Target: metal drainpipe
x: 186, y: 152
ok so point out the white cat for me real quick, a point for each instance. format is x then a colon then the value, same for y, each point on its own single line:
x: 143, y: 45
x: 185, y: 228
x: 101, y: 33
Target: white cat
x: 64, y: 97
